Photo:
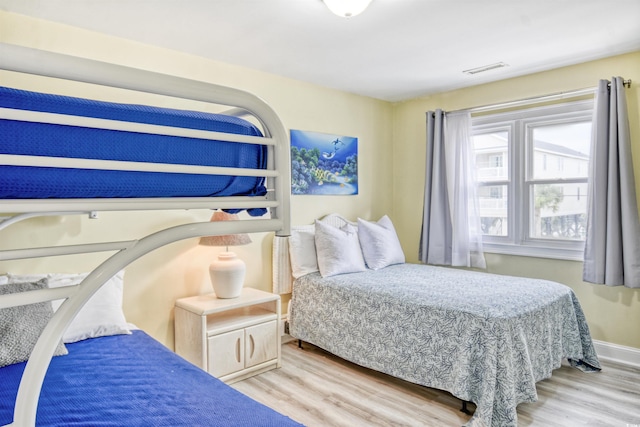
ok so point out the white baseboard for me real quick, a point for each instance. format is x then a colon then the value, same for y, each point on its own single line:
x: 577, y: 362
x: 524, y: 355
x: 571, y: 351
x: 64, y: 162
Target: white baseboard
x: 281, y: 328
x: 284, y: 337
x: 618, y: 353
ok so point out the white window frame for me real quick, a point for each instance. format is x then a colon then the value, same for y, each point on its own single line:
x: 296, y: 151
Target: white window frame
x: 519, y: 126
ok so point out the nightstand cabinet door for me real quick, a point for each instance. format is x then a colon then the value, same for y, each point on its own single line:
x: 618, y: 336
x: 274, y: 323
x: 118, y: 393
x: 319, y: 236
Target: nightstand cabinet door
x: 261, y: 343
x: 226, y: 353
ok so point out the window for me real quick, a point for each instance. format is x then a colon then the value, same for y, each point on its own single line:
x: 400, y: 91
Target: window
x: 532, y: 168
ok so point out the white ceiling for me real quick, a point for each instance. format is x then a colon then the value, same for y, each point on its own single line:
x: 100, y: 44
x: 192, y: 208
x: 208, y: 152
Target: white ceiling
x: 395, y: 50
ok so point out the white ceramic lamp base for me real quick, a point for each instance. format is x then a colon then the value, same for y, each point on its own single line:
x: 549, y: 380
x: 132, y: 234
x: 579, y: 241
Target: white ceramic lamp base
x: 227, y: 275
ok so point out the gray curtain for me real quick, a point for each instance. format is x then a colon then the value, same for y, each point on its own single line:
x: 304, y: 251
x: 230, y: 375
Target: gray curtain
x: 437, y: 230
x: 451, y: 233
x: 612, y: 247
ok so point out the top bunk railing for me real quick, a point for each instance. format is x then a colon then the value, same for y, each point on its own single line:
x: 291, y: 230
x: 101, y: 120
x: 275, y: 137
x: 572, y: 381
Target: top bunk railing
x: 36, y: 62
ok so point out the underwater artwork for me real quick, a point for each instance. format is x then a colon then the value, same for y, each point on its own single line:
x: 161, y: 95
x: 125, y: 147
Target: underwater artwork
x: 322, y: 163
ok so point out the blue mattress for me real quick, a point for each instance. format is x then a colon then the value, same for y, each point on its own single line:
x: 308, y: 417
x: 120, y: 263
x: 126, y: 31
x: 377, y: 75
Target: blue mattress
x: 132, y: 380
x: 41, y: 139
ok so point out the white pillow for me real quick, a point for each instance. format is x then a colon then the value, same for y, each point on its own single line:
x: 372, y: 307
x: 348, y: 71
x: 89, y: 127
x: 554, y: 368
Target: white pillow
x: 338, y: 249
x: 302, y: 251
x: 380, y: 244
x: 101, y: 316
x: 4, y: 279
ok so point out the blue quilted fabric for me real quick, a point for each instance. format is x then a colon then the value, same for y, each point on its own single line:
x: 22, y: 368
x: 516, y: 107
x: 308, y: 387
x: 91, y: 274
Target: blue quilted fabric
x: 17, y: 137
x: 134, y: 381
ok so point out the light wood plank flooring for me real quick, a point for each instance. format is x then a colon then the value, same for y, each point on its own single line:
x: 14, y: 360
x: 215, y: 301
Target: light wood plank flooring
x: 318, y: 389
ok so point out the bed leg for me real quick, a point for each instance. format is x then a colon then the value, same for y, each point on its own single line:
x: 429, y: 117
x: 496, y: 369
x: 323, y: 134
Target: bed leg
x: 299, y: 343
x: 464, y: 408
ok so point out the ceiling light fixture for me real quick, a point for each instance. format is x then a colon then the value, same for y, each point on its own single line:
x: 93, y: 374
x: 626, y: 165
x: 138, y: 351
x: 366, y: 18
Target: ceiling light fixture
x: 347, y: 8
x: 485, y: 68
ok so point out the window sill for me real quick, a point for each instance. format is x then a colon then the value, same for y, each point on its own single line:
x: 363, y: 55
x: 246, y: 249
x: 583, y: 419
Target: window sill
x: 534, y: 251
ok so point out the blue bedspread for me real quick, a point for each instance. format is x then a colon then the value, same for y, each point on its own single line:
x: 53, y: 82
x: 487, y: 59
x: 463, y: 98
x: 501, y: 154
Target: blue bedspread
x: 41, y: 139
x: 483, y: 337
x: 132, y: 380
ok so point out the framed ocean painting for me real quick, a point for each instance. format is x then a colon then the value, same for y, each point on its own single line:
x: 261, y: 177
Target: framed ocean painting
x: 324, y: 164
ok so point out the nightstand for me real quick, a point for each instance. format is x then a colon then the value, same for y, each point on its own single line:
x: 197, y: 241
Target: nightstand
x: 232, y: 339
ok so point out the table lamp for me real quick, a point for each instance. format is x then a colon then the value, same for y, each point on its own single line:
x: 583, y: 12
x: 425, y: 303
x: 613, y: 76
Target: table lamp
x: 228, y: 271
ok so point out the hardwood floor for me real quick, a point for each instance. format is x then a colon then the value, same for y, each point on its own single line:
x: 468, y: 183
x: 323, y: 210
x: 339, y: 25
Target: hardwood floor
x: 318, y: 389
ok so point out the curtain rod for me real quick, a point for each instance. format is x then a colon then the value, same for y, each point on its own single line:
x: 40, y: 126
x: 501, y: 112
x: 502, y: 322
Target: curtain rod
x: 536, y: 99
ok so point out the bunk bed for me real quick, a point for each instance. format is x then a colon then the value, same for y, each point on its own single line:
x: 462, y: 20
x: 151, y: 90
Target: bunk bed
x: 61, y: 155
x: 484, y: 338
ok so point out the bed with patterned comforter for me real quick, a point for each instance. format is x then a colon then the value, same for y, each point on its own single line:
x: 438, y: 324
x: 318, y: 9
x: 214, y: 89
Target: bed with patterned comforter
x: 485, y: 338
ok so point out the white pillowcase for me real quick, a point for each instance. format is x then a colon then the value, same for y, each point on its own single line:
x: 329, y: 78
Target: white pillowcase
x: 101, y: 316
x: 302, y: 251
x: 380, y: 244
x: 338, y: 249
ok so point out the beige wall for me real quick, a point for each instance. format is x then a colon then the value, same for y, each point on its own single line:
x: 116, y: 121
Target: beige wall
x: 181, y: 269
x: 613, y: 313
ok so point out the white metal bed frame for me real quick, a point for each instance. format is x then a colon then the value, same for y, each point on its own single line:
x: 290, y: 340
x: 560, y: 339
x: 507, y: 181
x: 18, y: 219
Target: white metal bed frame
x: 48, y: 64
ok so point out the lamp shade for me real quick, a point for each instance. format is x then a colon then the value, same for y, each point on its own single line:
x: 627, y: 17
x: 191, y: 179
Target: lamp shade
x: 227, y: 272
x: 347, y: 8
x: 225, y: 239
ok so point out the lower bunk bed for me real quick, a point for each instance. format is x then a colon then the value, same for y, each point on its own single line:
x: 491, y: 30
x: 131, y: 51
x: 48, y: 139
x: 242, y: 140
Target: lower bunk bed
x: 485, y: 338
x: 133, y: 380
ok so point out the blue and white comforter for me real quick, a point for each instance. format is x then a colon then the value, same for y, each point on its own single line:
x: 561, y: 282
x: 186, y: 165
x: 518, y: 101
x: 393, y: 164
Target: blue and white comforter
x: 484, y: 338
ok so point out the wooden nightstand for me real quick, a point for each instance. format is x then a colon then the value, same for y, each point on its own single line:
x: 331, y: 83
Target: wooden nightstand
x: 232, y: 339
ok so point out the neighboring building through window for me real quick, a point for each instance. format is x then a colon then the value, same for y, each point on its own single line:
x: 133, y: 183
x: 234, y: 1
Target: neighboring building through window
x: 532, y: 169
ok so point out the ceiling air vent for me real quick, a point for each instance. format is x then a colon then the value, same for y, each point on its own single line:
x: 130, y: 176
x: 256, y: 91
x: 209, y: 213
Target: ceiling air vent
x: 485, y: 68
